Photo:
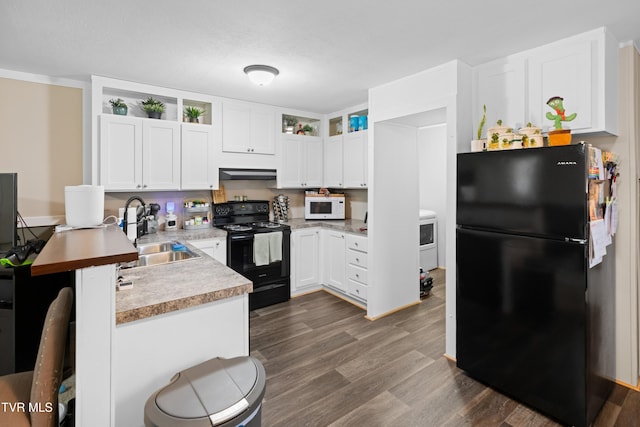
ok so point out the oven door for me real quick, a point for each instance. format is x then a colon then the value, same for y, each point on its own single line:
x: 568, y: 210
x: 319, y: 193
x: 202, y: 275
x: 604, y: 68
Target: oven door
x: 240, y: 259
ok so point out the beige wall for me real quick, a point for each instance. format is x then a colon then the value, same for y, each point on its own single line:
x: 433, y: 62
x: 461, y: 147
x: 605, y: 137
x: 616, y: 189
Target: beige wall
x: 626, y: 240
x: 254, y: 190
x: 41, y: 140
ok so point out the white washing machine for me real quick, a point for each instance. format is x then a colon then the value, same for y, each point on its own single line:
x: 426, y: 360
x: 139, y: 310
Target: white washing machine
x: 428, y: 240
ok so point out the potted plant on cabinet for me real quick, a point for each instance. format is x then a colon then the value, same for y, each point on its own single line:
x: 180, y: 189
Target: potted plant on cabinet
x: 153, y: 107
x: 118, y: 106
x: 479, y: 144
x: 193, y: 113
x: 559, y: 136
x: 308, y: 130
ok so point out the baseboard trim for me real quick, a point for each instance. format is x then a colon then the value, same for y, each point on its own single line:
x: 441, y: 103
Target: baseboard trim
x: 623, y: 384
x: 395, y: 310
x: 343, y: 298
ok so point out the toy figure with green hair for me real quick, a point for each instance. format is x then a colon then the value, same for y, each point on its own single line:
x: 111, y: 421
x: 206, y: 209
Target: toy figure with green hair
x: 556, y: 103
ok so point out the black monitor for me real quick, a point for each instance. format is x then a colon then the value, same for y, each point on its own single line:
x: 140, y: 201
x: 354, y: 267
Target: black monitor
x: 8, y: 211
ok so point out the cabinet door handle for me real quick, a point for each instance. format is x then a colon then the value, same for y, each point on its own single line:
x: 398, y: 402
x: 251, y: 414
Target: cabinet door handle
x: 138, y: 186
x: 144, y: 186
x: 358, y: 260
x: 357, y: 275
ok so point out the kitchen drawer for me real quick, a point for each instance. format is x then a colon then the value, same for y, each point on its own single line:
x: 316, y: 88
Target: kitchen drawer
x: 358, y: 243
x: 358, y: 274
x: 357, y: 290
x: 357, y: 258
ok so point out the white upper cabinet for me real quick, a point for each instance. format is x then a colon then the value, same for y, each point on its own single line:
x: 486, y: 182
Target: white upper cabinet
x: 500, y: 85
x: 139, y: 154
x: 300, y: 162
x: 582, y: 69
x: 199, y: 168
x: 355, y: 159
x: 160, y: 155
x: 300, y: 151
x: 333, y: 162
x: 120, y: 152
x: 248, y: 128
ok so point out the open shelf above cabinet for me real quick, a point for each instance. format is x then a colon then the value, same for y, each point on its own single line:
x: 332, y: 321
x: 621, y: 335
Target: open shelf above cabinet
x: 133, y: 101
x: 206, y: 117
x: 292, y: 124
x: 335, y: 126
x: 357, y: 120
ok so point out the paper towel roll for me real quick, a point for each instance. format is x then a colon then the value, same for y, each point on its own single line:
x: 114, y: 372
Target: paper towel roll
x: 84, y: 205
x: 132, y: 223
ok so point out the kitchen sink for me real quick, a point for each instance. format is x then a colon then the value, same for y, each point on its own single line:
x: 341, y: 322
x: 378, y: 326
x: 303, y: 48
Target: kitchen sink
x: 164, y: 257
x: 160, y: 253
x: 153, y: 248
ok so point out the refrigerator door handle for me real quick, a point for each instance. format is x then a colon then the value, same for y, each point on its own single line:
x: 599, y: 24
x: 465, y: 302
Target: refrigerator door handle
x: 572, y: 240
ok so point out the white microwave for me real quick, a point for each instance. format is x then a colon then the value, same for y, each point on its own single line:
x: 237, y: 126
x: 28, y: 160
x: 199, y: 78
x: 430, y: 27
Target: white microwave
x: 320, y: 207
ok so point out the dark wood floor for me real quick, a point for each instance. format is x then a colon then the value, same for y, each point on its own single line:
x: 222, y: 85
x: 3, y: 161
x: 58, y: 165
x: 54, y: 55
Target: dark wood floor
x: 328, y: 366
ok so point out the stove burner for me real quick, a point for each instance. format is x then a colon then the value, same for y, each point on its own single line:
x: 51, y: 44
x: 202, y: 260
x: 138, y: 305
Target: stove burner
x: 266, y: 225
x: 238, y: 227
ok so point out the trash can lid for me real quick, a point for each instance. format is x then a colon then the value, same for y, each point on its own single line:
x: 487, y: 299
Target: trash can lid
x: 216, y: 389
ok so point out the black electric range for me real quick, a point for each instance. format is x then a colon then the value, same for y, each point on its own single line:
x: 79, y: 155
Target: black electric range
x: 258, y: 249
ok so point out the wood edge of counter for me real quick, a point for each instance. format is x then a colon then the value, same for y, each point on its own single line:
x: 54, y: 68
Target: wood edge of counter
x: 42, y: 269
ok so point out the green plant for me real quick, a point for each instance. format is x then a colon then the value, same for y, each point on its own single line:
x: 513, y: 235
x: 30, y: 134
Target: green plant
x: 119, y: 102
x: 482, y: 121
x: 193, y: 112
x: 499, y: 122
x: 152, y: 105
x: 307, y: 128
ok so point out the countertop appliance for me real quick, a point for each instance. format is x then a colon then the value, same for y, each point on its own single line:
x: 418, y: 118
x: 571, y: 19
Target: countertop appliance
x: 324, y: 207
x: 428, y: 239
x: 256, y: 248
x: 534, y: 321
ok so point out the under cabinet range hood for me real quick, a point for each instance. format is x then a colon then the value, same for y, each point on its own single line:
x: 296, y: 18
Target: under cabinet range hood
x: 253, y: 174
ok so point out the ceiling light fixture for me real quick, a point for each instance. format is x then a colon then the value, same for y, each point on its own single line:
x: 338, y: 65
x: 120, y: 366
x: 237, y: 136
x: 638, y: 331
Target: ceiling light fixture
x: 261, y: 75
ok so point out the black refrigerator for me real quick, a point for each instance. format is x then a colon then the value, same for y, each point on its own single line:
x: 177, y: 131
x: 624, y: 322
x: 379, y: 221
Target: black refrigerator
x: 534, y: 321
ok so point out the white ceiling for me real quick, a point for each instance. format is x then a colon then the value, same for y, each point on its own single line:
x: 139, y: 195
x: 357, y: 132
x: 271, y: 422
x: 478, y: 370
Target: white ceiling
x: 328, y: 52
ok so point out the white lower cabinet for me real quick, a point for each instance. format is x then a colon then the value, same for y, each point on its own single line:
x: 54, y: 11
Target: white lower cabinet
x: 215, y: 248
x: 334, y: 259
x: 330, y: 258
x: 357, y: 262
x: 305, y: 259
